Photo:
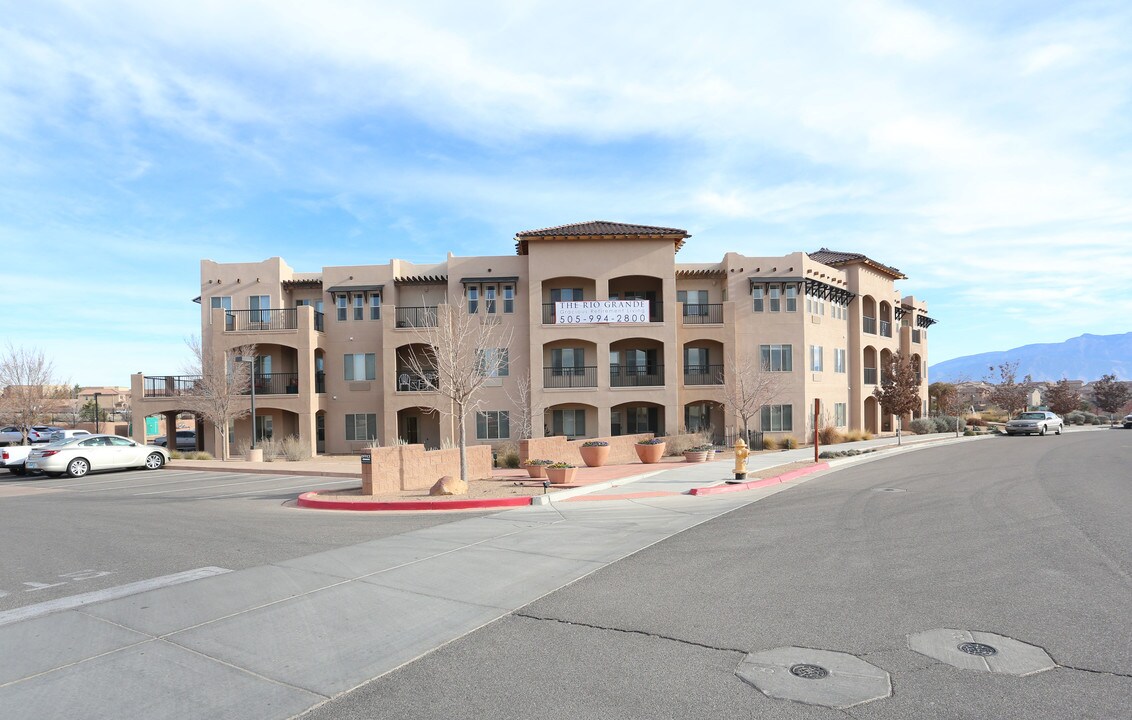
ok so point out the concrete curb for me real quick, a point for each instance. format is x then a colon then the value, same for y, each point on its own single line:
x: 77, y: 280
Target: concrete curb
x: 311, y: 500
x: 587, y: 489
x: 739, y: 487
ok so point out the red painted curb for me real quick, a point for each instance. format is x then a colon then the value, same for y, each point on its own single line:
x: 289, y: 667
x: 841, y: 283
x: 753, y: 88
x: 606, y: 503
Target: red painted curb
x: 313, y: 501
x: 785, y: 477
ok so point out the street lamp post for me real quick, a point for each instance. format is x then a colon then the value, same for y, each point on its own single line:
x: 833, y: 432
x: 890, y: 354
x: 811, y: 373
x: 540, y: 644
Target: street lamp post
x: 251, y: 384
x: 96, y: 396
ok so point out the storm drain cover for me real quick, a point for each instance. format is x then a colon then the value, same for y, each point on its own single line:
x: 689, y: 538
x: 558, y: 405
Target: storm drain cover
x: 815, y: 677
x: 890, y: 490
x: 973, y: 648
x: 976, y: 650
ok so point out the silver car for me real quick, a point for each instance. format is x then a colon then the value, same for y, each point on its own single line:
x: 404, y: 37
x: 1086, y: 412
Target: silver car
x: 81, y: 455
x: 1037, y: 422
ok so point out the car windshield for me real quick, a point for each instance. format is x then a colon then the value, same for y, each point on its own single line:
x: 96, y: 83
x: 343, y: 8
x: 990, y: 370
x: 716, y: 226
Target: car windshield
x: 1032, y: 416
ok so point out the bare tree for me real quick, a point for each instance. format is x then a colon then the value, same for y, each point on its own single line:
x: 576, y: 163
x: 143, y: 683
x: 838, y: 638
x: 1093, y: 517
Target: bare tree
x: 748, y: 385
x: 1110, y: 394
x: 220, y: 392
x: 30, y: 387
x: 1063, y: 397
x: 899, y: 391
x: 462, y: 350
x: 521, y: 396
x: 1009, y: 393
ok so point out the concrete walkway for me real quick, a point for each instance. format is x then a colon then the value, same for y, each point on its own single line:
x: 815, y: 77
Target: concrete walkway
x: 273, y: 641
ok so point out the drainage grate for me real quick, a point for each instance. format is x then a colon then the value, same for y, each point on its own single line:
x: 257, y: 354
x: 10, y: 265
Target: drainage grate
x: 980, y: 649
x: 809, y: 672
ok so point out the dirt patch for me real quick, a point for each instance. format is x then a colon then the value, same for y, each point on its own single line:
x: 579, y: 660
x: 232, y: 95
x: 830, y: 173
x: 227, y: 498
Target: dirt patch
x: 477, y: 490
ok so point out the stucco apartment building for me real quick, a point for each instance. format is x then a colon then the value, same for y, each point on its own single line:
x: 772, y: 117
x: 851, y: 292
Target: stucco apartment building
x: 332, y: 346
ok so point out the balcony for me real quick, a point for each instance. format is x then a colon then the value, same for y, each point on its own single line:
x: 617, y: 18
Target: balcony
x: 276, y: 384
x: 869, y: 325
x: 703, y: 375
x: 169, y: 385
x: 885, y: 328
x: 656, y: 313
x: 256, y: 320
x: 703, y: 314
x: 409, y: 381
x: 570, y: 377
x: 415, y: 317
x: 629, y: 376
x: 870, y: 376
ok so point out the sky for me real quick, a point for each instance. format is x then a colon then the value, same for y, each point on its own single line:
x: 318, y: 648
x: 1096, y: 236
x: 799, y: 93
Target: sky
x: 983, y: 148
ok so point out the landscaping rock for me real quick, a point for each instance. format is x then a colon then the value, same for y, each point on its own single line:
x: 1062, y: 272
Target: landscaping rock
x: 449, y: 485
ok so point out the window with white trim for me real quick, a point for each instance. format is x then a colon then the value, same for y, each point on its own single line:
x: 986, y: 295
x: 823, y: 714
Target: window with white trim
x: 340, y: 301
x: 774, y: 293
x: 777, y: 358
x: 791, y: 292
x: 757, y: 299
x: 570, y: 422
x: 489, y: 299
x: 361, y: 426
x: 375, y: 306
x: 473, y: 299
x: 840, y: 414
x: 359, y: 366
x: 839, y: 360
x: 778, y: 418
x: 493, y: 425
x: 508, y: 299
x: 816, y: 358
x: 359, y: 306
x: 494, y: 362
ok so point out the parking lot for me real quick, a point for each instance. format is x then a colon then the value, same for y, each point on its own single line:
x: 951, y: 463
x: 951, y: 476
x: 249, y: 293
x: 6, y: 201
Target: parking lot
x: 67, y: 536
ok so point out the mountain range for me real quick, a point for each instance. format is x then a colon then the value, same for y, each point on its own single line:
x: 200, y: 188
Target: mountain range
x: 1081, y: 358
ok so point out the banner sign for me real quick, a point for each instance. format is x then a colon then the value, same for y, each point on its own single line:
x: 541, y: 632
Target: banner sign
x: 601, y: 311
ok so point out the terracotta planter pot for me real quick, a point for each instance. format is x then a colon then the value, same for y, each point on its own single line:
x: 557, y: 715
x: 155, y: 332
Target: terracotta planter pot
x: 695, y: 456
x: 561, y: 476
x: 650, y: 453
x: 536, y: 471
x: 595, y: 455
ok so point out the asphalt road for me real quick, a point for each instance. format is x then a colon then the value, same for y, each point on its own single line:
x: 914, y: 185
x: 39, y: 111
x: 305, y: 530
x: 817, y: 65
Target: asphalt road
x: 1027, y: 537
x: 63, y: 537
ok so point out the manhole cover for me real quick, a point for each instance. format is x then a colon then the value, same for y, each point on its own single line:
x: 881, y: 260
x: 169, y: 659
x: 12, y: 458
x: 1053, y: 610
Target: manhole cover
x: 890, y: 490
x: 809, y: 672
x: 980, y: 649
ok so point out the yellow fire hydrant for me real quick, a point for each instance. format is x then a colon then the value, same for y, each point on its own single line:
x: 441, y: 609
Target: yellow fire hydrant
x: 741, y: 453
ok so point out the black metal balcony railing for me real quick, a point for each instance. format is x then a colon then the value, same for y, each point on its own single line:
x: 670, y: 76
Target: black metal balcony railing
x: 271, y: 319
x: 656, y: 313
x: 276, y: 384
x: 409, y: 381
x: 631, y: 376
x: 869, y: 325
x: 870, y: 376
x: 885, y: 328
x: 411, y: 317
x: 703, y: 314
x: 703, y: 375
x: 169, y: 385
x: 569, y: 377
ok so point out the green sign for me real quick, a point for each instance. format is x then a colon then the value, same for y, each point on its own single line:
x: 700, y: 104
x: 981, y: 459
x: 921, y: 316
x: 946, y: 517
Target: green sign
x: 151, y: 425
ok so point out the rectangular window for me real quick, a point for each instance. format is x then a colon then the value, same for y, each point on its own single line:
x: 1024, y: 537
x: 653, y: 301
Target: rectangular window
x: 375, y: 306
x: 508, y: 299
x: 757, y: 295
x: 260, y: 306
x: 839, y: 360
x: 816, y: 358
x: 775, y: 294
x: 361, y: 426
x: 695, y: 360
x: 778, y: 418
x: 359, y: 306
x: 840, y: 414
x: 489, y: 299
x: 263, y: 427
x: 360, y: 366
x: 222, y: 302
x: 571, y: 423
x: 473, y: 300
x: 340, y: 301
x: 493, y: 362
x: 777, y: 358
x: 791, y: 298
x: 493, y: 425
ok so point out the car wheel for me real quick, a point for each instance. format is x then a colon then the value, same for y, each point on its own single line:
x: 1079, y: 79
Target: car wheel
x: 78, y: 467
x: 154, y: 461
x: 1058, y: 431
x: 1042, y: 431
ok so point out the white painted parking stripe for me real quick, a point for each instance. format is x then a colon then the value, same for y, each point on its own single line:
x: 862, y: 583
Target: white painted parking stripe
x: 175, y: 481
x: 325, y: 483
x: 269, y: 478
x: 127, y: 478
x: 69, y: 603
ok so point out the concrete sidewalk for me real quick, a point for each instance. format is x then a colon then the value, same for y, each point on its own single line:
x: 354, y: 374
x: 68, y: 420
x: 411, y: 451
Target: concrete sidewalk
x: 273, y: 641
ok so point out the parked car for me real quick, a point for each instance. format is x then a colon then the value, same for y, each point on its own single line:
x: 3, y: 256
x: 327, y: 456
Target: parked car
x: 13, y: 458
x: 42, y: 433
x: 186, y: 440
x: 1127, y: 421
x: 81, y: 455
x: 68, y: 434
x: 11, y: 435
x: 1037, y: 422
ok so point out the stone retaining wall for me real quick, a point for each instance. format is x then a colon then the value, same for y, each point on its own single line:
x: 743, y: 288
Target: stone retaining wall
x: 411, y: 467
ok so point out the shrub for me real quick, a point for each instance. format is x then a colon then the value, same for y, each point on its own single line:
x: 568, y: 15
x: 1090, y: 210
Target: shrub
x: 293, y: 449
x: 539, y: 461
x: 830, y: 435
x: 788, y: 442
x: 511, y: 460
x: 270, y: 449
x: 198, y: 455
x: 941, y: 424
x: 561, y: 464
x: 969, y: 432
x: 595, y: 443
x: 176, y: 455
x: 677, y: 444
x: 242, y: 447
x: 922, y: 426
x: 770, y: 443
x: 975, y: 421
x: 651, y: 441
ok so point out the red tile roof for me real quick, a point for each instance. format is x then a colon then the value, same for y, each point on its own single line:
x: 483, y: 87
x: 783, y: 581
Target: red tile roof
x: 834, y: 258
x: 599, y: 228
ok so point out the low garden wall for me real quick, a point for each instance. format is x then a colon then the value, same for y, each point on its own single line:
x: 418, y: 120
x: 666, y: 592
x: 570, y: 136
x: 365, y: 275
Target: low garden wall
x: 559, y: 449
x: 411, y: 467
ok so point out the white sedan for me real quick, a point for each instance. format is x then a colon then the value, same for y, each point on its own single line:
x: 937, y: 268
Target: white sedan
x: 1035, y: 423
x: 79, y: 456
